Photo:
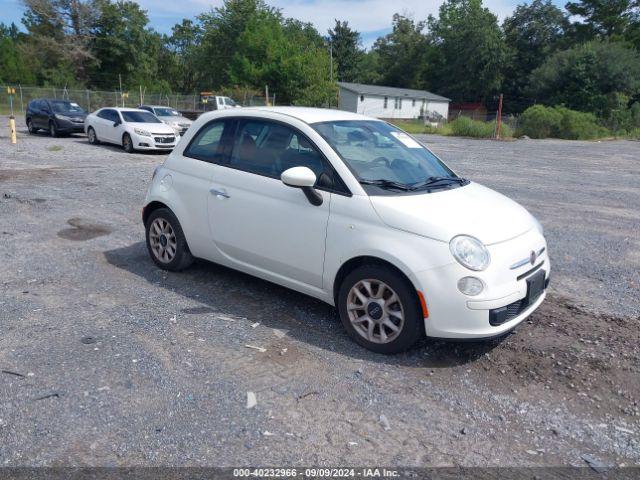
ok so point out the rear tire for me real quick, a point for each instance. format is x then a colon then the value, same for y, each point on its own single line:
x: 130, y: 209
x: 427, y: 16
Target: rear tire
x: 380, y: 309
x: 53, y: 130
x: 166, y: 242
x: 31, y: 128
x: 91, y: 135
x: 127, y: 143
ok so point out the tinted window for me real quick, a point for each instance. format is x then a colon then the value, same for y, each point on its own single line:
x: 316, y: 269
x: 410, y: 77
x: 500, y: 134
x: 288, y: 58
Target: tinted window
x: 43, y: 105
x: 207, y: 144
x: 148, y: 109
x: 109, y: 114
x: 139, y: 116
x: 269, y: 149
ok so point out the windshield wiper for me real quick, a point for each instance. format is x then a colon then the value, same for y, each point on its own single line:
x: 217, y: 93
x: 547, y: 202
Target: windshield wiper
x: 435, y: 182
x: 382, y: 183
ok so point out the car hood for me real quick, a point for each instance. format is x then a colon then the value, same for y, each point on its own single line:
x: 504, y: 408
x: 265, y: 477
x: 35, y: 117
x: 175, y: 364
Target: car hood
x: 471, y: 210
x: 175, y: 120
x: 152, y: 127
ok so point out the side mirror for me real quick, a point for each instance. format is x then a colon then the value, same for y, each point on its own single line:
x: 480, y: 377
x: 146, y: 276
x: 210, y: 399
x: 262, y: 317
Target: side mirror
x: 116, y: 123
x: 305, y: 179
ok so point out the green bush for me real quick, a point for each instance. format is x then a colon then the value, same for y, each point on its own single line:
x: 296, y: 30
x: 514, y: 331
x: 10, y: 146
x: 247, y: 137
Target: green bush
x: 466, y: 127
x: 560, y: 122
x: 540, y: 121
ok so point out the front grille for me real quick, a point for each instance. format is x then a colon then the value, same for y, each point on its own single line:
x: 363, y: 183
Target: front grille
x: 164, y: 139
x: 501, y: 315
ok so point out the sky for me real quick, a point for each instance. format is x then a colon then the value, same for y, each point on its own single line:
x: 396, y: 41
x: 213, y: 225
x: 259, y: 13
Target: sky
x: 372, y: 18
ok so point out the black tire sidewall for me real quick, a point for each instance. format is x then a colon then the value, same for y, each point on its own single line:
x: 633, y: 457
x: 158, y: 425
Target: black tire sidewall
x: 95, y: 137
x: 130, y: 149
x: 53, y: 130
x: 183, y: 257
x: 413, y: 329
x: 30, y: 126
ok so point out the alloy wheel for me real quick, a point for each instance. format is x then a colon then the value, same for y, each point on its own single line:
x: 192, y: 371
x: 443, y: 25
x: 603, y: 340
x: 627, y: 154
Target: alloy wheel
x: 162, y: 239
x: 375, y: 311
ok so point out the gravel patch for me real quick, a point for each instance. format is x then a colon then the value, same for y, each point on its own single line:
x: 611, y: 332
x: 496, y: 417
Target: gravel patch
x: 105, y: 360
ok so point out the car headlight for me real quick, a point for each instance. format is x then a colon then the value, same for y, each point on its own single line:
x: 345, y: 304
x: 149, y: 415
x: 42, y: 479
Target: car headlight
x: 470, y: 252
x: 62, y: 117
x: 142, y: 132
x: 538, y: 225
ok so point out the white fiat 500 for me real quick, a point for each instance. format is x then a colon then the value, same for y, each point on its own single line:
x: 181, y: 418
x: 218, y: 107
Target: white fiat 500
x: 355, y: 212
x: 132, y: 128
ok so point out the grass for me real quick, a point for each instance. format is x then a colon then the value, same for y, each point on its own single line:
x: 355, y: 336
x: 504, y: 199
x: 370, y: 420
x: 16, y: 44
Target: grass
x: 54, y: 148
x: 460, y: 127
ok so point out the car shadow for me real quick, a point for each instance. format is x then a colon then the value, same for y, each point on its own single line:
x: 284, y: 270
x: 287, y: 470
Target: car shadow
x: 117, y: 148
x: 218, y: 289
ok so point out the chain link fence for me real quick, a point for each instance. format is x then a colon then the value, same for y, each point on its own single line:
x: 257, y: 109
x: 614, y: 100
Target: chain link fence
x: 92, y: 100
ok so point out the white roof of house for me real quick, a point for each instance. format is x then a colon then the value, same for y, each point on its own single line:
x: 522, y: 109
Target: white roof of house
x: 309, y: 115
x: 362, y: 89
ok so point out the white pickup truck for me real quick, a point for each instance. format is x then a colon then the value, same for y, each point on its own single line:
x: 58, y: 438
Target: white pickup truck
x: 216, y: 102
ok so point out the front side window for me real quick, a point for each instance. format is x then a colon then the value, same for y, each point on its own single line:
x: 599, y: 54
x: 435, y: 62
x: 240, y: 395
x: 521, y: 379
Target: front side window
x: 207, y: 145
x: 384, y: 158
x: 268, y: 148
x: 386, y: 102
x: 229, y: 102
x: 135, y: 116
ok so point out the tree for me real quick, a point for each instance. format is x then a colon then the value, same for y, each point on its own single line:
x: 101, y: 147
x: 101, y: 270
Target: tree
x: 182, y: 48
x: 13, y: 69
x: 532, y: 33
x: 469, y: 52
x: 605, y: 18
x: 401, y: 53
x: 347, y: 51
x: 593, y: 77
x: 126, y: 48
x: 247, y: 43
x: 60, y: 35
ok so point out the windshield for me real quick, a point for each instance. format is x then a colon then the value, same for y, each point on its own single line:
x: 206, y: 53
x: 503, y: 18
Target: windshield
x: 166, y: 112
x: 378, y: 152
x: 228, y: 101
x: 140, y: 117
x: 61, y: 106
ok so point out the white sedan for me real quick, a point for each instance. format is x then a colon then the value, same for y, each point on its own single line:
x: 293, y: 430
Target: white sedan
x: 355, y: 212
x: 132, y: 128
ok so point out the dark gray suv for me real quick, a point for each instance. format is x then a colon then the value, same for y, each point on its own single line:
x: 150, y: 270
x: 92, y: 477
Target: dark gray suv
x: 55, y: 116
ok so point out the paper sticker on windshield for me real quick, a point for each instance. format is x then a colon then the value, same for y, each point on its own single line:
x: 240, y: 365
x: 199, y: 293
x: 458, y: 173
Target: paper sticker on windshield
x: 406, y: 140
x: 75, y: 105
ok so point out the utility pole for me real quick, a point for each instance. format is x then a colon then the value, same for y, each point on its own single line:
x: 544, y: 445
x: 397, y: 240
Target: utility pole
x: 121, y: 97
x: 330, y: 66
x: 266, y: 95
x: 499, y: 119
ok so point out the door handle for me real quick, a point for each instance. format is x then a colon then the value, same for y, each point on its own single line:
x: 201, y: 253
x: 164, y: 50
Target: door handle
x: 219, y: 193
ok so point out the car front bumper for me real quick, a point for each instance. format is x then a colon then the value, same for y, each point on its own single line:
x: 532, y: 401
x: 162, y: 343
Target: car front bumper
x: 154, y: 142
x: 65, y: 126
x: 454, y: 315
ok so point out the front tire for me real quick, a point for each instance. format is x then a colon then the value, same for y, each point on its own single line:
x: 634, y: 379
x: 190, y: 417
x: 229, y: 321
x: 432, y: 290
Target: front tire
x: 127, y: 143
x: 31, y: 128
x: 53, y: 130
x: 166, y: 242
x: 380, y: 309
x: 91, y: 135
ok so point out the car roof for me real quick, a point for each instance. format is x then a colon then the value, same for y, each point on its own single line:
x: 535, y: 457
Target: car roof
x: 157, y: 106
x: 313, y: 115
x: 125, y: 109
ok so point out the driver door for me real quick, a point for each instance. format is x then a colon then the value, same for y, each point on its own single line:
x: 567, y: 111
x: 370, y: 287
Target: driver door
x: 259, y: 224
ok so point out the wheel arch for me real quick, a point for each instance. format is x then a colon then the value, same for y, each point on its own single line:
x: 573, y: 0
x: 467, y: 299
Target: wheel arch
x: 152, y: 207
x: 355, y: 262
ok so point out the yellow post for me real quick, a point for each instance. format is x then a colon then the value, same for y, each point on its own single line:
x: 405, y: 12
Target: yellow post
x: 12, y: 126
x: 12, y: 120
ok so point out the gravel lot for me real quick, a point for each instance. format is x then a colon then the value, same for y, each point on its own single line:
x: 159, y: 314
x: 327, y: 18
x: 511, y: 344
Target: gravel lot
x: 106, y: 360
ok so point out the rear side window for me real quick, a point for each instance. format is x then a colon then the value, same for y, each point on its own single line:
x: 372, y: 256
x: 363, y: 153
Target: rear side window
x: 207, y: 145
x: 268, y: 148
